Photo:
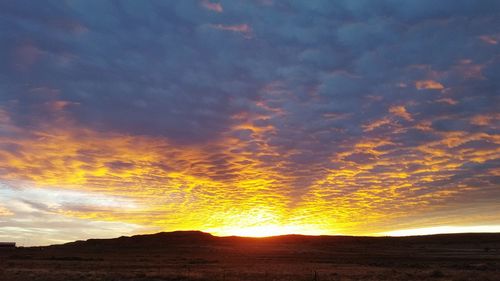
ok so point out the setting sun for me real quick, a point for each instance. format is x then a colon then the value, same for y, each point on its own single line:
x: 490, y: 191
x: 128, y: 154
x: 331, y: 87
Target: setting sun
x: 265, y: 231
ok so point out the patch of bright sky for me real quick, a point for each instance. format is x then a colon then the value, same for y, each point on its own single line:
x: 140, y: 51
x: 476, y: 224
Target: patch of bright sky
x: 444, y: 229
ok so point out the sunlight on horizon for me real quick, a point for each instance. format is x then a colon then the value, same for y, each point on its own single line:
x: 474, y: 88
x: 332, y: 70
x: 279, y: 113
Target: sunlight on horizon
x: 444, y: 230
x: 266, y: 231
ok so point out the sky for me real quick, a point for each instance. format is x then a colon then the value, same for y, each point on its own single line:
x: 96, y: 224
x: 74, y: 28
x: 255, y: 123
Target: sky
x: 254, y: 118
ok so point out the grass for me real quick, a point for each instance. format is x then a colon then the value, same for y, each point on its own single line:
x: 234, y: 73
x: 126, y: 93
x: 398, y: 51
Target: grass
x: 258, y: 260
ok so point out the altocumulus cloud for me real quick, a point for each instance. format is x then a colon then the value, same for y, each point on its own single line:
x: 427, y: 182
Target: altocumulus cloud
x: 339, y: 115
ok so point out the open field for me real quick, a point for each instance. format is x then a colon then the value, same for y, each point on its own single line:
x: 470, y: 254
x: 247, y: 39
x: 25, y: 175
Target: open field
x: 200, y: 256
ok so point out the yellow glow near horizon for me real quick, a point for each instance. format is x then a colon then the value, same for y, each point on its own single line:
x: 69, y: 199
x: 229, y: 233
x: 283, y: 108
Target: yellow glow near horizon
x: 231, y: 188
x: 266, y: 231
x: 444, y: 230
x: 261, y: 222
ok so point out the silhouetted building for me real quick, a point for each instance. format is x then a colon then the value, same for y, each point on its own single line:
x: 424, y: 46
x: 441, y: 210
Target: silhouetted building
x: 7, y: 245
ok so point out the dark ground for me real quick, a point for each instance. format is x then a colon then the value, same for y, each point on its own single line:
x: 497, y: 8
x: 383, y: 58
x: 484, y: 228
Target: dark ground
x: 200, y: 256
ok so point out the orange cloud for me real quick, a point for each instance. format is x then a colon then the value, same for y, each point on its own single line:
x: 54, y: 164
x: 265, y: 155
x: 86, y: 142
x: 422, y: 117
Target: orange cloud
x: 216, y: 7
x: 428, y: 85
x: 4, y: 211
x: 449, y: 101
x: 492, y: 40
x: 470, y: 70
x: 376, y: 124
x: 400, y: 111
x: 244, y: 28
x: 485, y: 120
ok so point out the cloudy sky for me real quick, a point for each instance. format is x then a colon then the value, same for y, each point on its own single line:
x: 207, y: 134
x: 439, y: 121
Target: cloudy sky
x: 248, y: 117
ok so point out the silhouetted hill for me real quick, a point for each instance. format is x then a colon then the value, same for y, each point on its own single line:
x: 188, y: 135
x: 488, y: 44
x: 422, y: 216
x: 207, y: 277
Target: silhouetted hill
x: 198, y: 239
x: 187, y: 255
x: 144, y: 241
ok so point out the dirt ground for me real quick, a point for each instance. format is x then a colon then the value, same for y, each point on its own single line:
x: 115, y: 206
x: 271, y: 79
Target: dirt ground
x: 198, y: 256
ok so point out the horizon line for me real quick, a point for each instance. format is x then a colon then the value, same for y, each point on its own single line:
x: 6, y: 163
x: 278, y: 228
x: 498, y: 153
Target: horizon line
x: 494, y: 230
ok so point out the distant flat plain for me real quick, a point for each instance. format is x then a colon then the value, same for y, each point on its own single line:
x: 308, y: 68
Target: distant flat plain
x: 200, y: 256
